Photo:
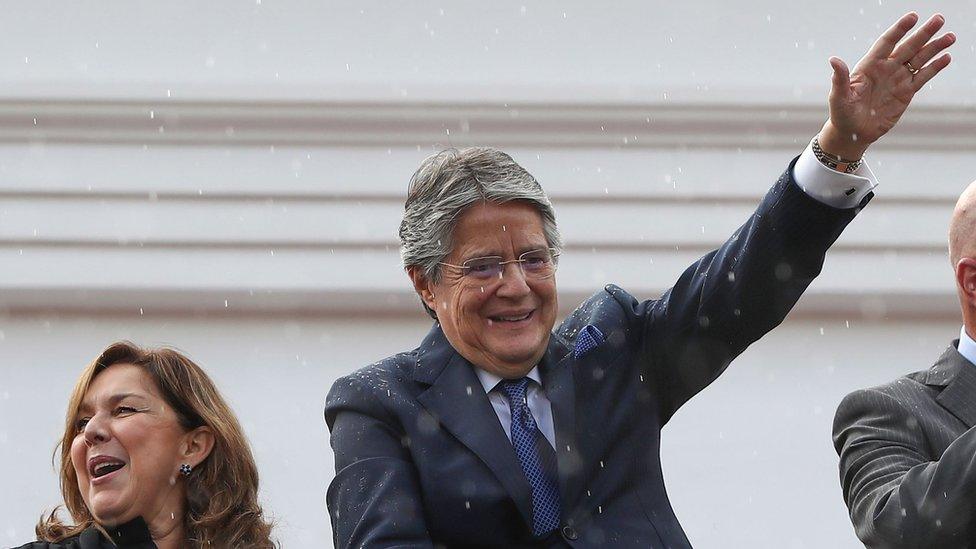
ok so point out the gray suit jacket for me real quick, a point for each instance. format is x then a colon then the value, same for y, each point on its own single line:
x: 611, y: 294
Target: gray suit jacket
x: 908, y: 457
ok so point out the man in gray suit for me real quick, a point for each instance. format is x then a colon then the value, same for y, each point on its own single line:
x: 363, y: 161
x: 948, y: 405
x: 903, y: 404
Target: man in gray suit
x: 908, y: 448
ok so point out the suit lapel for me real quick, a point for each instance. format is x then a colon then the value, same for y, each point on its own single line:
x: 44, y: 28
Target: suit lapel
x: 458, y: 401
x: 559, y: 384
x: 958, y: 376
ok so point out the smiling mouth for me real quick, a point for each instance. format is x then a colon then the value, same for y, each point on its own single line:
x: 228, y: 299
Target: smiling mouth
x: 510, y: 318
x: 104, y: 468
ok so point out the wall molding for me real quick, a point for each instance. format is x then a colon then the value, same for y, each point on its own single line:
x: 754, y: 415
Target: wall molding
x: 515, y: 124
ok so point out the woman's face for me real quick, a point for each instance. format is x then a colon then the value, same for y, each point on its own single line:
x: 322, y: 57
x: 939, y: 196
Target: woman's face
x: 500, y: 325
x: 128, y: 449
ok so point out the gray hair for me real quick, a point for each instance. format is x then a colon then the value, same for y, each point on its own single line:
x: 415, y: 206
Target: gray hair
x: 449, y: 182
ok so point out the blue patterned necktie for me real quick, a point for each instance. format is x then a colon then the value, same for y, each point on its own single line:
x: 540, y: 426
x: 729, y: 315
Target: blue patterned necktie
x: 537, y: 457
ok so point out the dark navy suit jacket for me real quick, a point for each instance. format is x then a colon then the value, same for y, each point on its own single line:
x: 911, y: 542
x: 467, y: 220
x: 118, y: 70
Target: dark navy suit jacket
x: 422, y: 460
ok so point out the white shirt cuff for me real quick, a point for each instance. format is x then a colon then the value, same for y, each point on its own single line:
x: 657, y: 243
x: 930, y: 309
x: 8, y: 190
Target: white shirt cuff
x: 833, y: 188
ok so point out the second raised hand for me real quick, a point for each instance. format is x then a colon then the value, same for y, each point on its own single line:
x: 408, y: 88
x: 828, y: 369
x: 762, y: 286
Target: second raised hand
x: 866, y: 103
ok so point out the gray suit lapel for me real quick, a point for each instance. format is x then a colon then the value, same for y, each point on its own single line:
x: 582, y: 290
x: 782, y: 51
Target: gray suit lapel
x: 457, y: 400
x: 958, y: 376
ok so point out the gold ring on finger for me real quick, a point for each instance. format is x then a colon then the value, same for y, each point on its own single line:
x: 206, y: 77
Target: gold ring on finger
x: 911, y: 69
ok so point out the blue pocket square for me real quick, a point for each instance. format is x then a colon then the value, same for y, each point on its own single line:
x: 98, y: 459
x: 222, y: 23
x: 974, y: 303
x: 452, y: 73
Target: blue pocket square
x: 588, y: 339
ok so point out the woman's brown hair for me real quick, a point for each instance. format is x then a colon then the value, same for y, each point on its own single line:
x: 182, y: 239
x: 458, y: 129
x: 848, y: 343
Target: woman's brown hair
x: 222, y: 508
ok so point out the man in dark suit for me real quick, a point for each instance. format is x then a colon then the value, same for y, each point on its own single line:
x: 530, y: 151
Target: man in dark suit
x: 908, y: 448
x: 497, y: 430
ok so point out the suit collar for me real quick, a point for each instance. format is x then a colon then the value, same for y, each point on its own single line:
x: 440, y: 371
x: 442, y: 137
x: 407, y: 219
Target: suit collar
x: 489, y: 380
x: 432, y: 356
x: 958, y: 377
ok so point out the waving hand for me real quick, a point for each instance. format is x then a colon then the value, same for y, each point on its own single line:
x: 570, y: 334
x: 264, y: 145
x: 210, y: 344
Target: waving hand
x: 866, y: 103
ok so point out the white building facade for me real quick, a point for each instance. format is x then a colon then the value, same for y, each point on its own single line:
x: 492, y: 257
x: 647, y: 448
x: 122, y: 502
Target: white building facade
x: 228, y: 179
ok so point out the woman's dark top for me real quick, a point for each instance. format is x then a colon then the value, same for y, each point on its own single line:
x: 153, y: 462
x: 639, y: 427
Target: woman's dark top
x: 131, y: 535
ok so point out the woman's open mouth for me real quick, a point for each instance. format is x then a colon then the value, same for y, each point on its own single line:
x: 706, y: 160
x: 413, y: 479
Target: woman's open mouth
x: 102, y: 468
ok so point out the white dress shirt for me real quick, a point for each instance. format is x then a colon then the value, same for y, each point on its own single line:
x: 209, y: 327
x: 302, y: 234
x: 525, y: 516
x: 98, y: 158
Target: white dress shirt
x: 539, y: 404
x: 967, y: 347
x: 829, y: 186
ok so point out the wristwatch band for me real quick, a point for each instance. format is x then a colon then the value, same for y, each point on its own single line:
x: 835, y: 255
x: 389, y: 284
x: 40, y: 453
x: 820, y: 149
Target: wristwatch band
x: 833, y: 161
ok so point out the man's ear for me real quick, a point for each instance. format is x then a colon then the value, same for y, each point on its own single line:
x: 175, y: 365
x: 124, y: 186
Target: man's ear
x: 423, y: 286
x: 966, y: 278
x: 197, y: 445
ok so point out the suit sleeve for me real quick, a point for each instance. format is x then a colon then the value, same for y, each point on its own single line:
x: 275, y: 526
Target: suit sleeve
x: 896, y: 495
x: 374, y: 500
x: 734, y: 295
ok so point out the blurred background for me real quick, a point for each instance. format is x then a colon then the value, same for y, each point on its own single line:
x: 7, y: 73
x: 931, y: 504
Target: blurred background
x: 228, y: 177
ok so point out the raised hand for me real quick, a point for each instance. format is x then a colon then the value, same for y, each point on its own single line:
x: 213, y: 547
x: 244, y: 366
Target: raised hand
x: 866, y: 103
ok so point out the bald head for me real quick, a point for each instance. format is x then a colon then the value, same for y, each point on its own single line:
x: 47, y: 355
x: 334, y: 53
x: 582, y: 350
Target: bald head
x: 962, y: 228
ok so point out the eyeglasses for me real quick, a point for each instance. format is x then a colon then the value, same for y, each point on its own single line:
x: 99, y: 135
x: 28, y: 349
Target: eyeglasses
x: 536, y: 264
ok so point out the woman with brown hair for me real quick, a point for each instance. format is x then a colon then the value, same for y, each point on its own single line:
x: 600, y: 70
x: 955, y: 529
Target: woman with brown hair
x: 153, y: 457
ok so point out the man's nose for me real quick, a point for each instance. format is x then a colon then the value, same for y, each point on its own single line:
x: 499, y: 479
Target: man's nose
x: 513, y: 281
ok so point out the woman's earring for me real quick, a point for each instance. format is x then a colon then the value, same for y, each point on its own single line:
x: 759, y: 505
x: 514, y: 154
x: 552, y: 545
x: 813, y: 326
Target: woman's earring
x: 185, y: 470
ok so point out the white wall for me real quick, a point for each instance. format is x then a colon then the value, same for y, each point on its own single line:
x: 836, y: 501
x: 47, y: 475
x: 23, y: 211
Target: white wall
x: 227, y: 177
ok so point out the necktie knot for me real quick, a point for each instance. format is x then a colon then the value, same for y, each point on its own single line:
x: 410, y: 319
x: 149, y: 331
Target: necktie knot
x: 515, y: 390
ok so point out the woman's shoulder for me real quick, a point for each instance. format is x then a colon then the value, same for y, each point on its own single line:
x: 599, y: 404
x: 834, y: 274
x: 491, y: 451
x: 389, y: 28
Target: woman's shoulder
x: 69, y: 543
x: 89, y: 539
